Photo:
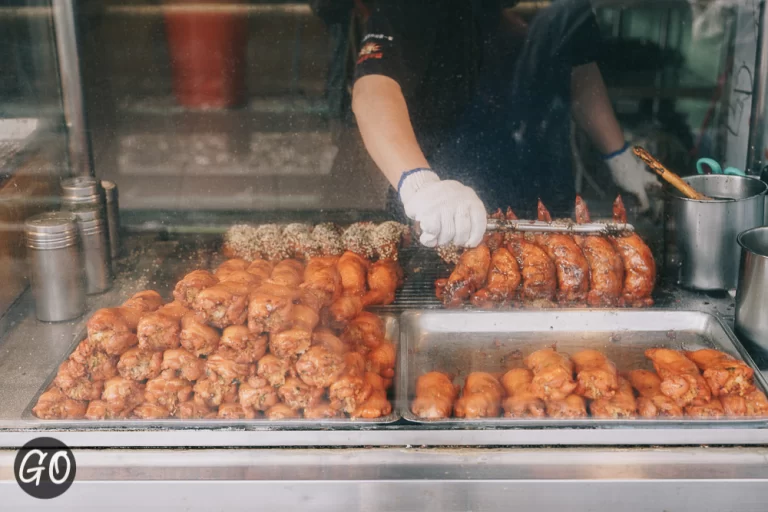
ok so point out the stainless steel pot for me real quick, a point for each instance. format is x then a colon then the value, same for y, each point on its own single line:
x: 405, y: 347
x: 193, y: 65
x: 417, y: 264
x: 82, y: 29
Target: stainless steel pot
x: 752, y: 293
x: 706, y: 231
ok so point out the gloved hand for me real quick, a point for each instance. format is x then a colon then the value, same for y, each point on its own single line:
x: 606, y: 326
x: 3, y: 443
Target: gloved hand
x: 631, y: 175
x: 447, y: 211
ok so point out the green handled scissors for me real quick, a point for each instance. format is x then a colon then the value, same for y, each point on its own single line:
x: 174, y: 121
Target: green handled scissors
x: 716, y: 169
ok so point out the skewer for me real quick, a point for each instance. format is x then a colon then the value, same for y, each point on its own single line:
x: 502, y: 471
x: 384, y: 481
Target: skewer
x: 670, y: 177
x: 557, y: 227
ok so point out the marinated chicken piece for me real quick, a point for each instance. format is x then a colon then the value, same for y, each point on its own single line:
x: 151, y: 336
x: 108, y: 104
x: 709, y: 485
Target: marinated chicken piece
x: 55, y: 405
x: 223, y: 363
x: 191, y: 410
x: 168, y: 391
x: 191, y: 285
x: 281, y: 412
x: 196, y: 337
x: 552, y: 374
x: 537, y: 269
x: 384, y: 278
x: 570, y: 263
x: 223, y: 304
x: 639, y: 265
x: 343, y: 310
x: 235, y: 411
x: 304, y: 318
x: 365, y: 331
x: 257, y: 394
x: 606, y: 268
x: 319, y: 367
x: 183, y: 363
x: 621, y: 405
x: 570, y: 407
x: 138, y: 364
x: 757, y: 404
x: 144, y: 302
x: 298, y: 395
x: 481, y: 397
x: 325, y: 338
x: 734, y: 406
x: 113, y: 330
x: 148, y: 411
x: 467, y: 277
x: 381, y: 361
x: 97, y: 410
x: 435, y: 394
x: 243, y: 278
x: 213, y: 391
x: 122, y: 396
x: 229, y: 266
x: 494, y: 239
x: 261, y: 269
x: 77, y: 388
x: 387, y: 238
x: 724, y: 374
x: 349, y: 392
x: 503, y: 280
x: 158, y: 331
x: 680, y: 379
x: 709, y: 410
x: 355, y: 363
x: 596, y: 375
x: 273, y: 369
x: 288, y: 273
x: 521, y: 401
x: 88, y: 361
x: 298, y: 240
x: 290, y: 343
x: 322, y: 279
x: 174, y: 309
x: 322, y: 410
x: 270, y: 308
x: 652, y: 403
x: 358, y: 238
x: 249, y: 347
x: 375, y: 406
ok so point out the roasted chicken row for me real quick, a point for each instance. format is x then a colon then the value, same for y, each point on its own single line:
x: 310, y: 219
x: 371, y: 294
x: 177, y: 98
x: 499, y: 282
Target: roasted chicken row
x: 553, y: 268
x: 705, y: 383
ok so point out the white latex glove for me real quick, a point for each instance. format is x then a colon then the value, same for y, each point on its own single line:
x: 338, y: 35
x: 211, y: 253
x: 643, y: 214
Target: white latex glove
x: 447, y: 211
x: 631, y: 175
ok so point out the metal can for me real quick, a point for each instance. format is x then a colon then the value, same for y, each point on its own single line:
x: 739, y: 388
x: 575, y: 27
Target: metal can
x: 94, y: 241
x: 752, y: 292
x: 79, y: 191
x: 56, y: 266
x: 113, y: 217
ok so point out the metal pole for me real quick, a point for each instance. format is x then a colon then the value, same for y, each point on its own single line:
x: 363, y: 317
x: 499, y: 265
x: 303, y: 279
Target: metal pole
x: 78, y: 143
x: 756, y: 143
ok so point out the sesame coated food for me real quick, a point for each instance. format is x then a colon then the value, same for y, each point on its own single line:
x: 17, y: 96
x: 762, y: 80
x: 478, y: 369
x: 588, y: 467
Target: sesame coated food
x: 271, y: 243
x: 358, y: 238
x: 241, y: 241
x: 327, y: 236
x: 386, y: 239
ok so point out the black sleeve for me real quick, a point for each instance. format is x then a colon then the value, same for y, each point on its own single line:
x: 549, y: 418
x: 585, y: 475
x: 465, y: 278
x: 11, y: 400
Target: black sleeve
x: 586, y: 39
x: 331, y: 11
x: 380, y: 49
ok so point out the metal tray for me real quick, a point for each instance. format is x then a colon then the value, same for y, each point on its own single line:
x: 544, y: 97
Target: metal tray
x: 392, y: 331
x: 459, y: 342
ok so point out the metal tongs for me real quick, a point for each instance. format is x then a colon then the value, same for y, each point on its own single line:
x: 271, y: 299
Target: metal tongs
x: 559, y: 226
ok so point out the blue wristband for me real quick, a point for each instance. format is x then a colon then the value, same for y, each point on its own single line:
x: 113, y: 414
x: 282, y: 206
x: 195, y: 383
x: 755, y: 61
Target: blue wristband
x: 616, y: 153
x: 408, y: 173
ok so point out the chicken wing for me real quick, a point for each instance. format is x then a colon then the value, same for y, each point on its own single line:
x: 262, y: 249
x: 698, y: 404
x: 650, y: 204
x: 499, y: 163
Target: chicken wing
x: 467, y: 277
x: 734, y: 406
x: 652, y: 403
x: 229, y: 266
x: 724, y: 374
x: 503, y: 280
x: 55, y: 405
x: 144, y: 302
x: 223, y: 363
x: 262, y: 269
x: 212, y: 391
x: 183, y: 364
x: 257, y: 393
x: 191, y: 410
x: 537, y: 269
x: 480, y: 398
x: 639, y: 265
x: 570, y: 407
x: 757, y: 404
x: 304, y: 318
x: 298, y: 395
x: 196, y: 337
x: 381, y: 361
x: 137, y: 364
x: 243, y: 278
x: 270, y: 308
x: 174, y: 309
x: 322, y: 279
x: 353, y: 270
x: 290, y: 343
x: 552, y: 374
x: 596, y: 375
x: 435, y: 395
x: 75, y: 385
x: 281, y: 412
x: 365, y: 331
x: 384, y: 278
x: 620, y: 405
x: 319, y: 367
x: 235, y: 411
x: 288, y: 273
x: 273, y: 369
x: 168, y: 392
x: 350, y: 390
x: 344, y: 309
x: 521, y: 401
x: 709, y: 410
x: 606, y: 268
x: 355, y: 363
x: 86, y: 360
x: 325, y: 338
x: 192, y: 284
x: 570, y: 263
x: 223, y: 304
x: 322, y: 410
x: 248, y: 347
x: 122, y: 396
x: 148, y: 411
x: 680, y: 379
x: 376, y: 405
x: 158, y: 331
x: 113, y: 330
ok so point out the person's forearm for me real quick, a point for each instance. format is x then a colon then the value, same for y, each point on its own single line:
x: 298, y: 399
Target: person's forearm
x: 592, y: 109
x: 382, y: 117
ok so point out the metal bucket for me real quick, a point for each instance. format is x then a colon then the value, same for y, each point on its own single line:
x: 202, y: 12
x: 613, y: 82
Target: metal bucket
x: 752, y: 293
x: 706, y: 231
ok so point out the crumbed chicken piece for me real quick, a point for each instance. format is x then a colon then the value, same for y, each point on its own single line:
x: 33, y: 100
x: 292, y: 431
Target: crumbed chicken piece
x: 257, y: 393
x: 639, y: 265
x: 521, y: 401
x: 384, y: 278
x: 213, y: 391
x: 137, y: 364
x: 223, y: 304
x: 271, y: 243
x: 353, y: 270
x: 242, y: 278
x: 191, y: 285
x: 502, y: 282
x: 322, y: 410
x: 596, y: 375
x: 319, y: 367
x: 281, y: 412
x: 349, y: 392
x: 326, y: 239
x: 435, y: 394
x: 365, y: 331
x: 387, y: 238
x: 191, y: 410
x: 322, y: 279
x: 467, y: 277
x: 113, y: 330
x: 552, y: 374
x: 235, y: 411
x: 304, y: 318
x: 480, y: 398
x: 97, y: 410
x: 376, y: 405
x: 168, y: 391
x: 229, y: 266
x: 298, y: 241
x: 159, y: 330
x: 79, y: 388
x: 298, y: 395
x: 570, y: 407
x: 620, y: 405
x: 270, y: 308
x: 343, y: 310
x: 324, y: 337
x: 55, y: 405
x: 148, y: 411
x: 249, y: 347
x: 122, y: 396
x: 183, y: 364
x: 144, y: 302
x: 86, y: 360
x: 355, y: 363
x: 652, y: 403
x: 680, y: 379
x: 290, y: 343
x: 358, y: 238
x: 174, y: 309
x: 261, y: 269
x: 381, y: 361
x: 273, y: 369
x: 724, y: 374
x: 223, y: 363
x: 734, y: 406
x: 708, y: 410
x: 537, y: 269
x: 197, y: 337
x: 289, y: 273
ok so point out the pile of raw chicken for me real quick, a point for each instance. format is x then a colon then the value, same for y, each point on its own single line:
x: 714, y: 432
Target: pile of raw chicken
x: 256, y: 338
x: 547, y: 269
x: 705, y: 383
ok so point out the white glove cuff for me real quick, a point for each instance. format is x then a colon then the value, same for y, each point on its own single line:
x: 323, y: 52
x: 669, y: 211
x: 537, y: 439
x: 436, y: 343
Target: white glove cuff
x: 411, y: 183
